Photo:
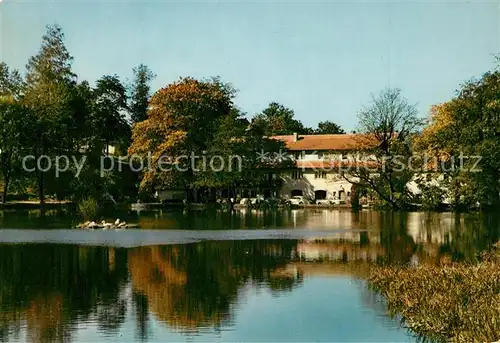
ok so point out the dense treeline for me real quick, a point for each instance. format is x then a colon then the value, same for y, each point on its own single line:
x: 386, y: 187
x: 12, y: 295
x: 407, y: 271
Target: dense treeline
x: 50, y: 112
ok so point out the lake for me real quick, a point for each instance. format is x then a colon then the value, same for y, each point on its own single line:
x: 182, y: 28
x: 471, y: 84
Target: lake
x: 217, y: 276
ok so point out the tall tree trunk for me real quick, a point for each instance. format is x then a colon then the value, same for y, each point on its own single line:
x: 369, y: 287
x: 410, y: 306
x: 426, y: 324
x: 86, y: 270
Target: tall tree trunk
x: 41, y: 193
x: 40, y: 179
x: 5, y: 187
x: 5, y: 161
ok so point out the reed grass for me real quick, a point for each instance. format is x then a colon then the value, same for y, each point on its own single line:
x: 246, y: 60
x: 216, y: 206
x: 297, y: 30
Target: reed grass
x: 457, y: 303
x: 88, y: 208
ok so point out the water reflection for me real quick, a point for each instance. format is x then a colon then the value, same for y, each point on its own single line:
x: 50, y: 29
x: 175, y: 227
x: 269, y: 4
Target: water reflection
x: 49, y: 289
x: 50, y: 293
x: 192, y: 286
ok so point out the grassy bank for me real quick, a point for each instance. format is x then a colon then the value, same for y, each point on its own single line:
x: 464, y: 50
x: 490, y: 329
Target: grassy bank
x: 34, y: 204
x: 458, y: 303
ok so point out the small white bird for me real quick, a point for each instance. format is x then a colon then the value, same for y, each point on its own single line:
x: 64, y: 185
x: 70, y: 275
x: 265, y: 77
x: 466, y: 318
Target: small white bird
x: 105, y: 225
x: 117, y: 222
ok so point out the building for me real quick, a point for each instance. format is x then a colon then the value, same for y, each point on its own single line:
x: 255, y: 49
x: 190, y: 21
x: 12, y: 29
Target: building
x: 320, y: 163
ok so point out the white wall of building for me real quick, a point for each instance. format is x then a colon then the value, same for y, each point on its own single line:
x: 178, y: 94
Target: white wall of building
x: 310, y: 182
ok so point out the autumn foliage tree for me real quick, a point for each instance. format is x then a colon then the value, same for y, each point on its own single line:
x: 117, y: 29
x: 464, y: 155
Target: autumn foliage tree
x: 197, y: 118
x: 182, y: 120
x: 468, y: 125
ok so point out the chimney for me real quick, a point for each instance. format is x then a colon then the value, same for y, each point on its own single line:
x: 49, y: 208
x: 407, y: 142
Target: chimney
x: 295, y: 136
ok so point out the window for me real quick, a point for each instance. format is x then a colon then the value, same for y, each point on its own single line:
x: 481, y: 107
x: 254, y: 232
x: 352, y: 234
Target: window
x: 296, y: 192
x: 319, y: 195
x: 324, y: 155
x: 320, y: 174
x: 296, y: 175
x: 298, y: 155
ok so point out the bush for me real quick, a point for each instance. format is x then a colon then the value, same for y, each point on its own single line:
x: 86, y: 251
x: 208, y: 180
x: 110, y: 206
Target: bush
x: 432, y: 197
x: 88, y: 208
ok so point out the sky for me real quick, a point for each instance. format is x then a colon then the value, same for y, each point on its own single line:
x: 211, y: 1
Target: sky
x: 322, y: 59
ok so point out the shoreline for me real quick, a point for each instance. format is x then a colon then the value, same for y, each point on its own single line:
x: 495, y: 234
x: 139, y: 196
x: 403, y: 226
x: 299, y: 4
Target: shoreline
x: 28, y: 205
x: 129, y: 238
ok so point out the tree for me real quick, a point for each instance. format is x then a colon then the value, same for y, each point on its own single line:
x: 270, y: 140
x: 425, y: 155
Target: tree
x: 248, y: 158
x: 386, y: 128
x: 140, y: 93
x: 182, y: 120
x: 277, y: 119
x: 328, y: 127
x: 49, y: 95
x: 11, y: 118
x: 468, y: 125
x: 11, y: 82
x: 109, y: 121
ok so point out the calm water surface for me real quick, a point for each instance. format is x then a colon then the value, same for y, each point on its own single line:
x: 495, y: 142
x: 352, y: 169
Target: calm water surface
x: 240, y: 287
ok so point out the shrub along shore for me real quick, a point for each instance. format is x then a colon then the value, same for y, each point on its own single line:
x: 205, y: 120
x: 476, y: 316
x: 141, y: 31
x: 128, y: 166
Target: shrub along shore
x: 457, y: 303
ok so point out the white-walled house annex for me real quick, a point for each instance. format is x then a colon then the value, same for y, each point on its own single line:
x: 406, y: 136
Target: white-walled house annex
x: 320, y: 161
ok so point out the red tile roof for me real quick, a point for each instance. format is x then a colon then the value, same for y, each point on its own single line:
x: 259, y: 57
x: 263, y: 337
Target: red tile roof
x: 331, y: 165
x: 340, y: 142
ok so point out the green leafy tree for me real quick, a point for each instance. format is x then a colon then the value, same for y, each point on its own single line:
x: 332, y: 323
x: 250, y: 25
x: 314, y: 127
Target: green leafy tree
x: 11, y: 82
x: 140, y: 93
x: 11, y: 119
x: 249, y: 159
x: 49, y: 96
x: 277, y: 119
x: 109, y: 112
x: 476, y: 116
x: 328, y: 127
x: 11, y: 122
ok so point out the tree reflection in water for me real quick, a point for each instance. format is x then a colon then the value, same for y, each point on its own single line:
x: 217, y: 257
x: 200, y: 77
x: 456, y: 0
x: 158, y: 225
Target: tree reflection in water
x: 54, y: 287
x: 47, y: 290
x: 194, y: 285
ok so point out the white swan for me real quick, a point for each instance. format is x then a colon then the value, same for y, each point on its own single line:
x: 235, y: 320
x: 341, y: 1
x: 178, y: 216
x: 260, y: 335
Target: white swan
x: 105, y: 225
